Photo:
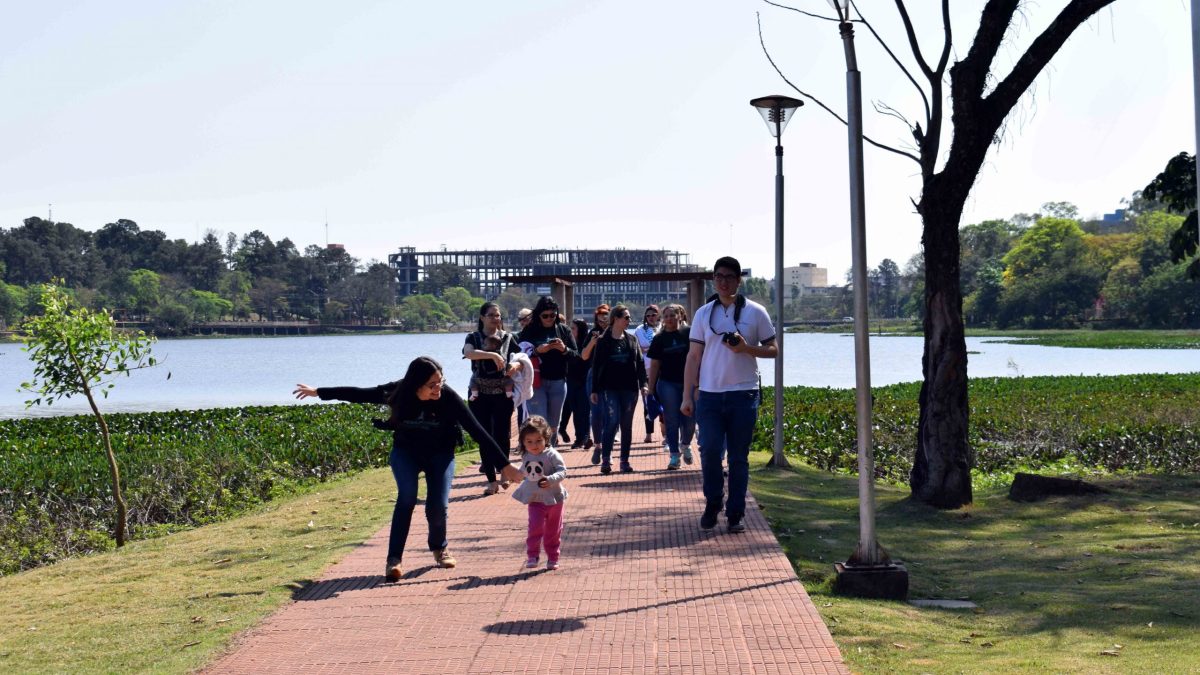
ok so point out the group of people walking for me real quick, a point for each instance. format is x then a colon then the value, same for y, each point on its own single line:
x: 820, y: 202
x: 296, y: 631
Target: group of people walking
x: 550, y: 371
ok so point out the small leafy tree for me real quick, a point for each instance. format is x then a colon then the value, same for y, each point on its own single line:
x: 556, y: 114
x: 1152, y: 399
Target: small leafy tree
x: 77, y: 351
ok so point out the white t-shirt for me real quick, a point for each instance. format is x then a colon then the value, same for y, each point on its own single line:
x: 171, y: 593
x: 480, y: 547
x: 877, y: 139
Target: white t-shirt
x: 722, y: 369
x: 645, y: 335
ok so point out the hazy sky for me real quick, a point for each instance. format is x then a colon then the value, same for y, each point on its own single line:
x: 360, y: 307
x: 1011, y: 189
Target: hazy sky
x: 541, y: 123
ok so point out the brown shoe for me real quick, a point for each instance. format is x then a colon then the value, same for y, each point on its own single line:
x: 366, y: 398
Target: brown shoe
x: 443, y: 558
x: 393, y: 571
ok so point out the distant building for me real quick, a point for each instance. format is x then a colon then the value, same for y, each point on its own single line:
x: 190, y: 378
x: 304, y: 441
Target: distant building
x: 1115, y: 217
x: 490, y: 268
x: 807, y: 278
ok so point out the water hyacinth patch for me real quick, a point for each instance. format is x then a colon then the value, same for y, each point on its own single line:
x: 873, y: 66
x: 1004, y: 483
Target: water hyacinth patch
x: 1129, y: 422
x: 182, y: 468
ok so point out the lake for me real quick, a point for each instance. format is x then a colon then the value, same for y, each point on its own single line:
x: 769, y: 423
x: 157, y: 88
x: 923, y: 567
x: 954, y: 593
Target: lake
x: 211, y: 373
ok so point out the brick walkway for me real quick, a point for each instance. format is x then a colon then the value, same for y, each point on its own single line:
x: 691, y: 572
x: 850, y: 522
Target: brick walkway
x: 641, y: 590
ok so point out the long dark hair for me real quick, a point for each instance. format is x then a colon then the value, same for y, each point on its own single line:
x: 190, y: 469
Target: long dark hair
x: 405, y: 394
x: 581, y: 330
x: 545, y: 304
x: 487, y: 306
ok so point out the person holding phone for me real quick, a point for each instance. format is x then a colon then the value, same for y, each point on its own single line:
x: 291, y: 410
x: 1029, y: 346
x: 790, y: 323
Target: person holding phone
x: 550, y: 340
x: 728, y: 335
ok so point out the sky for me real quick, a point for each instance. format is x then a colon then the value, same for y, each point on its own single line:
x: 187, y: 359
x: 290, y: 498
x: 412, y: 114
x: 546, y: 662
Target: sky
x: 545, y: 124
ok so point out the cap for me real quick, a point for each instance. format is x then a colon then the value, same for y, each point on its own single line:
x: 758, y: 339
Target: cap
x: 525, y: 312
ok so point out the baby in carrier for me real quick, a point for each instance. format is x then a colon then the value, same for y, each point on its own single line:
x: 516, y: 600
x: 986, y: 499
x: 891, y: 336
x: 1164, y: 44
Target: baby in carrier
x: 490, y: 344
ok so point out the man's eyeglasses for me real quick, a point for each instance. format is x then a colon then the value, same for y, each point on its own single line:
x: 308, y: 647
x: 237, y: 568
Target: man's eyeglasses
x: 717, y: 276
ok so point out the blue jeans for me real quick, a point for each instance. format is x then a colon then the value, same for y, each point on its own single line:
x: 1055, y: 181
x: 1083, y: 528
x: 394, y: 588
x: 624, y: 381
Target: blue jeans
x: 726, y: 422
x: 547, y: 401
x: 597, y: 410
x: 439, y: 471
x: 670, y: 394
x: 618, y: 409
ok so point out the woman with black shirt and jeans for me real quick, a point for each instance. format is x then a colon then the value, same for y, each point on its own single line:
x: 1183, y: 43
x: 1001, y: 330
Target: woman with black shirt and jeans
x: 494, y: 407
x: 618, y: 377
x: 427, y: 420
x: 668, y: 356
x: 550, y: 340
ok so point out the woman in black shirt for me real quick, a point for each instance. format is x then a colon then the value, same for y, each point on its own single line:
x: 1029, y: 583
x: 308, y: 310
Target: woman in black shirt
x: 668, y: 356
x: 550, y: 340
x: 494, y: 406
x: 427, y: 420
x: 618, y: 377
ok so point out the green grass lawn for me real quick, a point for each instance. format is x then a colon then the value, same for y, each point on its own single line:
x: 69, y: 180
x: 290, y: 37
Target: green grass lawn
x: 1082, y: 584
x: 173, y: 603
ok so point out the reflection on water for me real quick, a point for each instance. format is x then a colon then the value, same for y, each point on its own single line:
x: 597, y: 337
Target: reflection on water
x: 209, y: 373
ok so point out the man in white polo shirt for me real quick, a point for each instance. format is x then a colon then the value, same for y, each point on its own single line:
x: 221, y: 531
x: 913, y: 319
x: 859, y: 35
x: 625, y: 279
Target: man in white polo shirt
x: 728, y: 335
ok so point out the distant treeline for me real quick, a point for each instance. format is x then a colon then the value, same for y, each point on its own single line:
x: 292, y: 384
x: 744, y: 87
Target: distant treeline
x: 1043, y: 270
x: 141, y: 275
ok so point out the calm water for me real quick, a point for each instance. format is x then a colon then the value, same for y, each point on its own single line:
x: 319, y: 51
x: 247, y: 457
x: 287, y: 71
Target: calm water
x: 208, y: 373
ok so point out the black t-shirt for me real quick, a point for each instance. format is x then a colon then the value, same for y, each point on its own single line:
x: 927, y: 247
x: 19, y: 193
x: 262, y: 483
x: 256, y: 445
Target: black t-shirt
x: 671, y: 350
x: 615, y: 363
x: 554, y: 362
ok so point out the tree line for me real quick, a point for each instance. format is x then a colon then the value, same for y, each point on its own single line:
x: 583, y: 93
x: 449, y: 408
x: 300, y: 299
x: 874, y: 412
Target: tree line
x: 141, y: 275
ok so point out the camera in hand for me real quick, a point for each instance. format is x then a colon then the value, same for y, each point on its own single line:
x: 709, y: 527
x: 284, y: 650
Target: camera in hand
x: 731, y: 339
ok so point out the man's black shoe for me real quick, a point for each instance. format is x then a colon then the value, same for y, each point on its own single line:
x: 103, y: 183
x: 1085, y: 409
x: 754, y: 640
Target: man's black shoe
x: 736, y: 525
x: 709, y: 520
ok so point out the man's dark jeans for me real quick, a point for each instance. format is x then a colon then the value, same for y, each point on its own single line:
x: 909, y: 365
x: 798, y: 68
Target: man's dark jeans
x: 726, y: 422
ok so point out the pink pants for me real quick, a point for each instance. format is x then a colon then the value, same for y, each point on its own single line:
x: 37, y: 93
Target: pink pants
x: 545, y: 526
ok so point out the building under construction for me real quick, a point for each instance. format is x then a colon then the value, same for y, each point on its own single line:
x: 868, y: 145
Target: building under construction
x: 495, y: 270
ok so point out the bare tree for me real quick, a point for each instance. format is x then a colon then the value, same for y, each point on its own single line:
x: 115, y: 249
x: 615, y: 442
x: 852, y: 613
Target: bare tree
x: 980, y: 101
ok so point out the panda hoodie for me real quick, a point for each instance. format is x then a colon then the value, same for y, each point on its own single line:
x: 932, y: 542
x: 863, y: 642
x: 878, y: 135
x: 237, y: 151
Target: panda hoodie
x: 549, y: 465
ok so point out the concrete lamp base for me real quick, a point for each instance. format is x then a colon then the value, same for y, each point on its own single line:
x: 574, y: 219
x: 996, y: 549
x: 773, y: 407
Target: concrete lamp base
x: 884, y: 582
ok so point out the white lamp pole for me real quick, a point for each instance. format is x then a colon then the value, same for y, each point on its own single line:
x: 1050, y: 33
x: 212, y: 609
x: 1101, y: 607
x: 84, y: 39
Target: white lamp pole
x: 869, y: 571
x: 777, y: 111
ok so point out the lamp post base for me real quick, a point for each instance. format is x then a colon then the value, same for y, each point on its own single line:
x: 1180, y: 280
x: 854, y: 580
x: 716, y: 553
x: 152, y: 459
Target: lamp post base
x: 884, y: 582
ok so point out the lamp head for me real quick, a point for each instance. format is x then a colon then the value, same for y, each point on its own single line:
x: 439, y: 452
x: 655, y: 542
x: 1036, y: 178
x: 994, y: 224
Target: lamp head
x: 776, y: 111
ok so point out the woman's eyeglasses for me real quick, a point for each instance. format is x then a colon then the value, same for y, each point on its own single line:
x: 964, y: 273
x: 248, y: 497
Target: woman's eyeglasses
x: 549, y: 315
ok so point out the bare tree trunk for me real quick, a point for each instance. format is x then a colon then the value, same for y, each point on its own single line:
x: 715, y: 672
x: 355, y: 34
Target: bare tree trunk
x: 941, y: 474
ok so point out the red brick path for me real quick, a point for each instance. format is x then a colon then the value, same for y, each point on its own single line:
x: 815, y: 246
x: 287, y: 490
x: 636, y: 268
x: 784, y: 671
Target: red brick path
x: 641, y: 590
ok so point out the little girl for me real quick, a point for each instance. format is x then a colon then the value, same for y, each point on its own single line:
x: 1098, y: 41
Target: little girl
x: 542, y: 490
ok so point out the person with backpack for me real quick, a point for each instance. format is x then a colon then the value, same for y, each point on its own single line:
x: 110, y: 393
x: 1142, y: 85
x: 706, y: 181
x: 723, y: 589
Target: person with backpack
x: 551, y: 342
x: 618, y: 378
x: 427, y: 422
x: 490, y: 369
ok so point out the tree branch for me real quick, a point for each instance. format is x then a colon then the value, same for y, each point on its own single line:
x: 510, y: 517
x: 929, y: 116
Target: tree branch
x: 1006, y: 94
x: 970, y: 74
x: 818, y: 101
x: 800, y: 11
x: 945, y: 58
x: 896, y: 60
x: 912, y: 39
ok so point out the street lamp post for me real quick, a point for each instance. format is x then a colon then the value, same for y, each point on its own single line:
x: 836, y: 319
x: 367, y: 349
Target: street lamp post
x: 777, y: 111
x: 868, y: 572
